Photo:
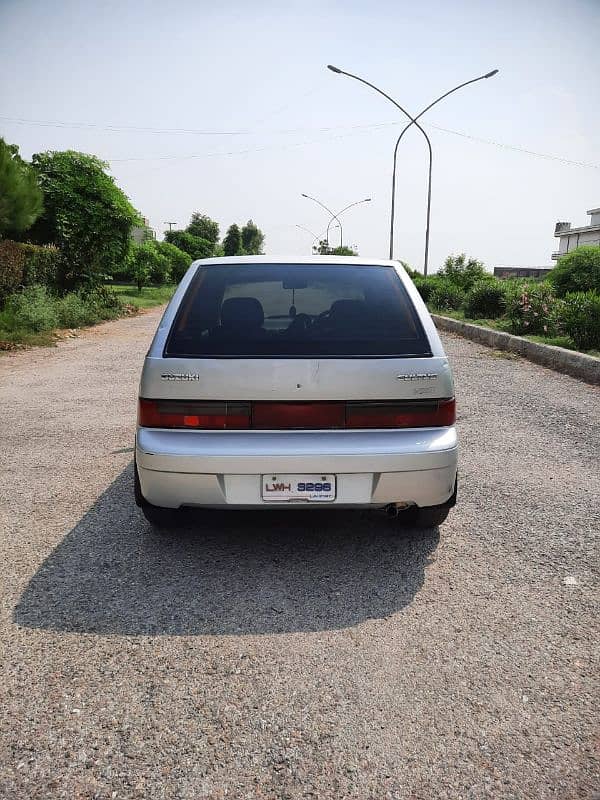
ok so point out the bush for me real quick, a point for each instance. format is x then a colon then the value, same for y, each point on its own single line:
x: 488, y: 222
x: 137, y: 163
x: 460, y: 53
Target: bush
x: 194, y: 246
x: 580, y: 319
x: 577, y: 271
x: 531, y: 308
x: 33, y: 310
x: 424, y: 286
x: 446, y: 295
x: 462, y: 271
x: 147, y: 264
x: 85, y: 214
x: 179, y: 260
x: 26, y: 265
x: 73, y: 311
x: 485, y: 300
x: 12, y: 264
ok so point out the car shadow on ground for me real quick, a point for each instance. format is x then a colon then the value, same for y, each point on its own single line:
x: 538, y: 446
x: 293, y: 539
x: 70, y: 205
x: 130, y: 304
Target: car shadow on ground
x: 225, y: 573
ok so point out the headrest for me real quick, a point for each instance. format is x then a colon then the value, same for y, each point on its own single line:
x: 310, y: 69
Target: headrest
x: 242, y: 312
x: 347, y: 310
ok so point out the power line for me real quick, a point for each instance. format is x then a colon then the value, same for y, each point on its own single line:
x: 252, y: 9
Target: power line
x: 330, y: 129
x: 518, y: 149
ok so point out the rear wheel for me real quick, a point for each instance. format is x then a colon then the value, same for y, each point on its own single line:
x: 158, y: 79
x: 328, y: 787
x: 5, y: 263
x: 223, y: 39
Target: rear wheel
x: 423, y: 518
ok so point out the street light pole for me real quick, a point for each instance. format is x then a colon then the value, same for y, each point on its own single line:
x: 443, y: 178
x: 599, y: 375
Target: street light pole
x: 393, y: 203
x: 316, y: 236
x: 170, y: 224
x: 339, y: 214
x: 329, y: 211
x: 413, y: 121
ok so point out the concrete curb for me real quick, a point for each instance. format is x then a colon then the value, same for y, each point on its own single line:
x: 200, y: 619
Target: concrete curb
x: 578, y: 365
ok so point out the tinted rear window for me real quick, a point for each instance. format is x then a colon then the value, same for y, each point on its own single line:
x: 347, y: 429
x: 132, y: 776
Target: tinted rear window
x: 296, y: 311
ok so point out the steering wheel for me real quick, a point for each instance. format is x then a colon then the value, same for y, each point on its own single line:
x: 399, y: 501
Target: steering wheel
x: 301, y: 322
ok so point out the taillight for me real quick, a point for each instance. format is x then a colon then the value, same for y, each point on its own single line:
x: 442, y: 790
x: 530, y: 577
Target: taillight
x: 184, y: 414
x: 291, y: 415
x: 419, y: 414
x: 298, y: 415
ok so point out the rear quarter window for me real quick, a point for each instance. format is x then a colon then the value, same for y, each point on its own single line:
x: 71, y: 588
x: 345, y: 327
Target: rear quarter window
x: 296, y: 311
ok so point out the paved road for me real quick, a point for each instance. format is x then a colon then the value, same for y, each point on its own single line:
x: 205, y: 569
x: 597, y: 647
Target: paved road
x: 323, y: 656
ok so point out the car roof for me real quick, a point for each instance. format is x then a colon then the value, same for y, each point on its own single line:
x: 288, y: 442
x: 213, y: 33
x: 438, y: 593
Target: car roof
x: 332, y: 260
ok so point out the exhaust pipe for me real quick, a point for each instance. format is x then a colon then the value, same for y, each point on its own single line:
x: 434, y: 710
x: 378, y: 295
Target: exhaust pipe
x: 394, y: 509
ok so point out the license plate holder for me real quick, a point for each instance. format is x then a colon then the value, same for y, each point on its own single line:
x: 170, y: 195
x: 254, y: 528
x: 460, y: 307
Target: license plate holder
x: 298, y: 488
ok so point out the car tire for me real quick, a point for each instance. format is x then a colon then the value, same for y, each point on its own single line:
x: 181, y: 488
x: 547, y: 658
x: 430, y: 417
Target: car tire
x: 162, y: 519
x: 425, y: 518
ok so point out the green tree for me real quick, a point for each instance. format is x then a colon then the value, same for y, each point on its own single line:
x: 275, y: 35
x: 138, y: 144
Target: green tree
x: 577, y: 271
x: 20, y: 195
x: 252, y: 239
x: 85, y: 214
x: 325, y: 249
x: 148, y: 264
x: 179, y: 260
x: 203, y: 226
x: 462, y: 271
x: 232, y: 243
x: 194, y: 246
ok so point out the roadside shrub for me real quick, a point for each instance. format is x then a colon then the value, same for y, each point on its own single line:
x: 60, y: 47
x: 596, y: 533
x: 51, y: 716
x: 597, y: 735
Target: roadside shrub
x: 85, y: 214
x: 577, y: 271
x: 148, y: 265
x: 485, y: 300
x: 446, y: 296
x: 195, y: 246
x: 462, y: 271
x: 580, y: 319
x: 179, y: 260
x: 424, y: 286
x: 103, y: 302
x: 412, y: 273
x: 26, y: 265
x: 531, y: 308
x: 12, y: 263
x: 160, y: 269
x: 73, y: 311
x: 33, y: 310
x: 42, y: 264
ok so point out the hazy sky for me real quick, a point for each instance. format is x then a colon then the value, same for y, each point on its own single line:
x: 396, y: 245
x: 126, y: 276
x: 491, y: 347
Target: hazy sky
x: 253, y: 75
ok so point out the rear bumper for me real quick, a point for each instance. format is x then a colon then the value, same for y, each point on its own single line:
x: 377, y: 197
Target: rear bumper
x: 223, y: 468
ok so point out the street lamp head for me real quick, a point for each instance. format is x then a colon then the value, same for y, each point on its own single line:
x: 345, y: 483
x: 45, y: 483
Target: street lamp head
x: 303, y: 195
x: 367, y: 200
x: 491, y: 74
x: 334, y: 69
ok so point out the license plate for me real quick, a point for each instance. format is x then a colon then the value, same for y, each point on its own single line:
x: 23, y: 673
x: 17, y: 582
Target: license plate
x: 297, y: 488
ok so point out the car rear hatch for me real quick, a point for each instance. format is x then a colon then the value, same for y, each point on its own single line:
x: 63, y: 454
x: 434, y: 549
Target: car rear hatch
x: 284, y: 345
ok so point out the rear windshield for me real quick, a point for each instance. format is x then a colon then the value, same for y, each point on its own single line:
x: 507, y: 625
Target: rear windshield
x: 296, y: 311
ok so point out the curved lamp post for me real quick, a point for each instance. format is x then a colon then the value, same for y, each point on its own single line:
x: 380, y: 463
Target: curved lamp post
x: 339, y: 214
x: 328, y: 210
x: 335, y: 216
x: 316, y: 237
x: 402, y: 132
x: 413, y: 121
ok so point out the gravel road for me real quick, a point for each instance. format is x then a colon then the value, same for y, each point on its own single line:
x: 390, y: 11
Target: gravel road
x: 325, y: 656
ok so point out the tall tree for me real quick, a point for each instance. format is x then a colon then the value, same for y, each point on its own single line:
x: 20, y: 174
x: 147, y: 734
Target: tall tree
x: 203, y: 226
x: 194, y: 246
x: 86, y: 215
x: 252, y: 239
x: 232, y: 243
x: 20, y: 195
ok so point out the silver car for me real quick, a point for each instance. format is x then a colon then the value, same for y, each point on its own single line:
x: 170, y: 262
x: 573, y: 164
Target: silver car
x: 311, y: 382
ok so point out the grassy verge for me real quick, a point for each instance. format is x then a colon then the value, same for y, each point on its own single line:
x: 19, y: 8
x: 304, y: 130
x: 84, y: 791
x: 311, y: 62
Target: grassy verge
x: 149, y: 296
x: 502, y: 325
x: 37, y: 317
